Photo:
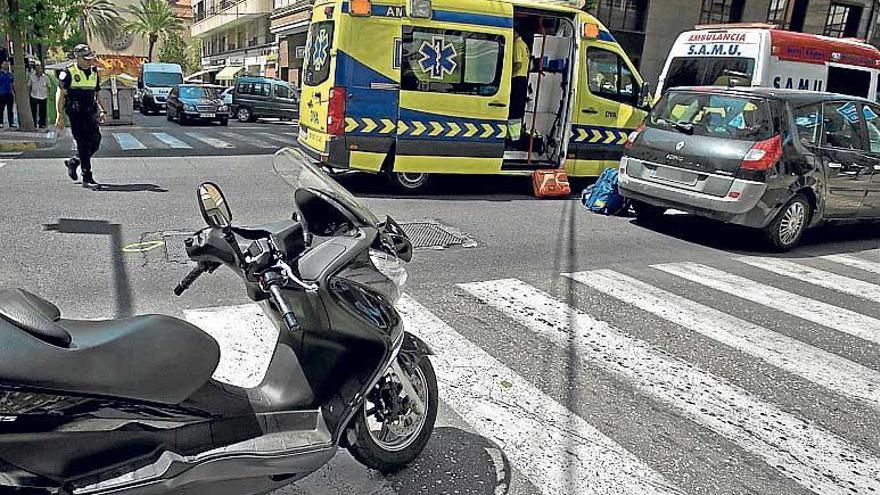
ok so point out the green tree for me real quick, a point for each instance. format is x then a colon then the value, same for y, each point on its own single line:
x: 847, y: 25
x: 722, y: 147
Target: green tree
x: 173, y: 51
x: 90, y: 19
x: 153, y: 19
x: 29, y: 22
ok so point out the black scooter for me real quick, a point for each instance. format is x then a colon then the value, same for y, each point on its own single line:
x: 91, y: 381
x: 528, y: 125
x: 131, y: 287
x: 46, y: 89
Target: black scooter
x: 129, y: 406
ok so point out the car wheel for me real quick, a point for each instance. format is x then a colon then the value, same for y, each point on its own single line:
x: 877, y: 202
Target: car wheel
x: 143, y: 110
x: 245, y: 114
x: 409, y: 182
x: 181, y: 119
x: 224, y: 122
x: 786, y: 230
x: 648, y: 213
x: 168, y: 115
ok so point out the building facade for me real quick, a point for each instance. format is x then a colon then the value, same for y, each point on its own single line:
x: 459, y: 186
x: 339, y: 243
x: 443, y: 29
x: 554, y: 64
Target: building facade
x: 647, y: 28
x: 290, y: 23
x: 235, y: 38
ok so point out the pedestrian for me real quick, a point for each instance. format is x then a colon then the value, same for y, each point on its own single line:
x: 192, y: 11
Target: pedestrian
x: 7, y: 94
x: 78, y: 88
x: 519, y: 88
x: 39, y: 87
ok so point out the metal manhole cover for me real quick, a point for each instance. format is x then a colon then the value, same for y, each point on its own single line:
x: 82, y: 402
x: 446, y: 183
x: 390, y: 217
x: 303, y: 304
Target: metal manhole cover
x: 434, y: 235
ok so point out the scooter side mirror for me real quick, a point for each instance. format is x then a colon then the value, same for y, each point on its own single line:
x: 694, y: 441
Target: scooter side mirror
x: 213, y: 205
x: 395, y: 238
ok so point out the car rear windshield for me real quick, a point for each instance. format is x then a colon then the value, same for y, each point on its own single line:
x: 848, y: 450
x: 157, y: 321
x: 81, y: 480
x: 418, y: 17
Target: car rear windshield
x: 711, y: 114
x: 318, y: 53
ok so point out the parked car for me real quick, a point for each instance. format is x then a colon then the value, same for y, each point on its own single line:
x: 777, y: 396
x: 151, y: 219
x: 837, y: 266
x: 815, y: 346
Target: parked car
x: 192, y: 102
x: 257, y: 97
x: 226, y: 95
x: 773, y: 159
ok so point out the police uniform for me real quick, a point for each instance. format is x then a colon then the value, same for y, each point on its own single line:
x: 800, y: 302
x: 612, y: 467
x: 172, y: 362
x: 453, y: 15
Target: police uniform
x: 80, y: 104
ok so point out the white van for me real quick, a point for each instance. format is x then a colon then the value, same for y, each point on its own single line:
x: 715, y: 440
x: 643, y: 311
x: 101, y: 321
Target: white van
x: 155, y: 81
x: 759, y: 55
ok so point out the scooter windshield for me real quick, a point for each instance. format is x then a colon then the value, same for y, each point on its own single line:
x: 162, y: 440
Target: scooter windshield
x: 300, y: 171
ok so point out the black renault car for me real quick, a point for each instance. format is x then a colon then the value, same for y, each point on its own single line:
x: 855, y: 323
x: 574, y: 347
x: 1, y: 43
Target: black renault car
x: 776, y: 160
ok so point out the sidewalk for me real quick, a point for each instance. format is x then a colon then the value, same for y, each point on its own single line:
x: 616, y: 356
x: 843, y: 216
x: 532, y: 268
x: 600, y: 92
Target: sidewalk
x: 15, y: 140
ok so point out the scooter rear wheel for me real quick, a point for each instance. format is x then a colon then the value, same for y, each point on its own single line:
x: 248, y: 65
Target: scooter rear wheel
x: 388, y: 432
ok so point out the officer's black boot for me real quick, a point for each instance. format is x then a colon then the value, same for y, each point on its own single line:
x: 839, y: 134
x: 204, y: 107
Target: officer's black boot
x: 88, y: 180
x: 72, y: 164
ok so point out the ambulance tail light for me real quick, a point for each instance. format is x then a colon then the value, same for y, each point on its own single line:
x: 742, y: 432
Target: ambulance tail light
x: 336, y: 112
x: 360, y: 8
x: 420, y: 9
x: 763, y: 155
x: 633, y: 136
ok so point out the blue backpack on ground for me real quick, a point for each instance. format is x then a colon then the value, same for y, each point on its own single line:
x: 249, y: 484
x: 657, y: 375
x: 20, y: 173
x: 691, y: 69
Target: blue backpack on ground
x: 603, y: 196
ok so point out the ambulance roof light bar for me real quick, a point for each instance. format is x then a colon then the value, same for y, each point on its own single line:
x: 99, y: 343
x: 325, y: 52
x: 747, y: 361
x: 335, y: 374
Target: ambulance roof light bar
x: 735, y: 25
x: 420, y: 9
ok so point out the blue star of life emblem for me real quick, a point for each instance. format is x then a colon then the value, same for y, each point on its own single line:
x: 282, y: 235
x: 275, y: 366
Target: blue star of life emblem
x: 438, y: 57
x: 320, y: 49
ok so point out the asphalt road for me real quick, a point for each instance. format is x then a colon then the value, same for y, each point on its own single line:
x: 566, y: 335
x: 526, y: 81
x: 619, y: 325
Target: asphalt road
x: 675, y: 359
x: 155, y: 136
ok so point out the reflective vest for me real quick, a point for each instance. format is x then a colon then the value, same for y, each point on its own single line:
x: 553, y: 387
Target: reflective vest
x: 79, y: 79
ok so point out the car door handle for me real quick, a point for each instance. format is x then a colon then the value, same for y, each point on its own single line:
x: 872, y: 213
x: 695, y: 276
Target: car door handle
x: 591, y: 111
x: 835, y: 165
x: 497, y: 104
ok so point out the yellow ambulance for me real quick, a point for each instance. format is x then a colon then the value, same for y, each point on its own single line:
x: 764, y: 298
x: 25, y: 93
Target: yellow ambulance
x: 412, y: 88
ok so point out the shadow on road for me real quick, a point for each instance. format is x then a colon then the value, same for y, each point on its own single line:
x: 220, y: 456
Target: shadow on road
x: 832, y: 239
x: 456, y: 461
x: 129, y: 188
x: 121, y: 284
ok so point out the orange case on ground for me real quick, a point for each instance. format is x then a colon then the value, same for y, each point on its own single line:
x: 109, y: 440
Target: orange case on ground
x: 550, y: 183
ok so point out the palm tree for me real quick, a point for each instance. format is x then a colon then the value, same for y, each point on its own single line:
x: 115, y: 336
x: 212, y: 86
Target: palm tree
x: 153, y: 19
x: 94, y: 18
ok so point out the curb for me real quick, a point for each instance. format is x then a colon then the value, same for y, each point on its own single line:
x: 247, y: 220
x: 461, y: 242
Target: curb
x: 18, y: 146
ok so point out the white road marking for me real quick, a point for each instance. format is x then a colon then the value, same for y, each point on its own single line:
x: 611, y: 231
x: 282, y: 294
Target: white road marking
x: 809, y: 455
x: 840, y: 319
x: 217, y: 143
x: 553, y: 447
x: 128, y: 142
x: 246, y: 337
x: 171, y: 140
x: 822, y: 278
x: 2, y: 164
x: 259, y: 143
x: 816, y: 365
x: 854, y: 261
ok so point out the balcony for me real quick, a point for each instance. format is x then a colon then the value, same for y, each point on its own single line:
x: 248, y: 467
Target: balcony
x: 224, y: 14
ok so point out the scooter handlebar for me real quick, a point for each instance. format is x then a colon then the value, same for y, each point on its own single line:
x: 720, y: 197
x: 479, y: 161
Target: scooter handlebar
x: 189, y: 279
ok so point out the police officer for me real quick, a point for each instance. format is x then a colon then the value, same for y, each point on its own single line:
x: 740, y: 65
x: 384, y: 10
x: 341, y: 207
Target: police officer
x: 519, y: 89
x: 78, y: 87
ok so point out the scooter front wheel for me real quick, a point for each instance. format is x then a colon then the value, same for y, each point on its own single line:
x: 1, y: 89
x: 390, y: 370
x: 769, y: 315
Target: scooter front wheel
x: 393, y: 428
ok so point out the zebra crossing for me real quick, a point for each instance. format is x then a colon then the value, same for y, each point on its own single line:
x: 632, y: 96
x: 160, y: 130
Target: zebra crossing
x: 561, y: 452
x: 209, y: 139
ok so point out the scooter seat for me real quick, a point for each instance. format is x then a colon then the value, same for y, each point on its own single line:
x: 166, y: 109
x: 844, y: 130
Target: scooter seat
x: 154, y: 358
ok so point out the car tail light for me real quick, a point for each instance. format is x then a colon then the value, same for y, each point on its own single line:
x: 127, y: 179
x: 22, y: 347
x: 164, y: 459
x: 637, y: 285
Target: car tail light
x: 633, y: 136
x: 336, y: 112
x: 763, y: 155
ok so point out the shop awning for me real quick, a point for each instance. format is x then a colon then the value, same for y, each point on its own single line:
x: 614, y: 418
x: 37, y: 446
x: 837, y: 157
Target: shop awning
x: 199, y: 74
x: 228, y: 73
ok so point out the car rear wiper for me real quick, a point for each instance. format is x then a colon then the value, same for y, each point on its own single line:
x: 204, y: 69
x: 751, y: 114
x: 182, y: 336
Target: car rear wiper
x: 679, y: 126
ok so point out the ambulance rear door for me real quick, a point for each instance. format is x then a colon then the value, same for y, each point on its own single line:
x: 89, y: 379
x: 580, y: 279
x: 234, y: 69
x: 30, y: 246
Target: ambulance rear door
x: 455, y: 88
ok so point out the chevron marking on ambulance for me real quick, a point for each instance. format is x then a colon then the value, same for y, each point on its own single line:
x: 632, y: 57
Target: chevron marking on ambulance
x: 596, y: 136
x: 471, y: 129
x: 487, y: 131
x: 350, y: 124
x: 387, y: 126
x: 418, y: 128
x: 582, y: 134
x: 610, y: 137
x: 369, y: 125
x: 436, y: 128
x: 502, y: 131
x: 624, y: 136
x: 454, y: 129
x: 402, y: 127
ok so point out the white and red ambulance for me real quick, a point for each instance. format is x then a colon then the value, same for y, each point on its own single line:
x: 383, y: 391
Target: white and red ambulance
x: 759, y: 55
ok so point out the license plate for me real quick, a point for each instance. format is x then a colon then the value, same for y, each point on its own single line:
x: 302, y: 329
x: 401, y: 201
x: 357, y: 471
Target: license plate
x: 209, y: 115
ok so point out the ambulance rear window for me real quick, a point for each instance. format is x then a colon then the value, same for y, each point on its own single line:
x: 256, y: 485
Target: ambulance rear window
x: 317, y: 63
